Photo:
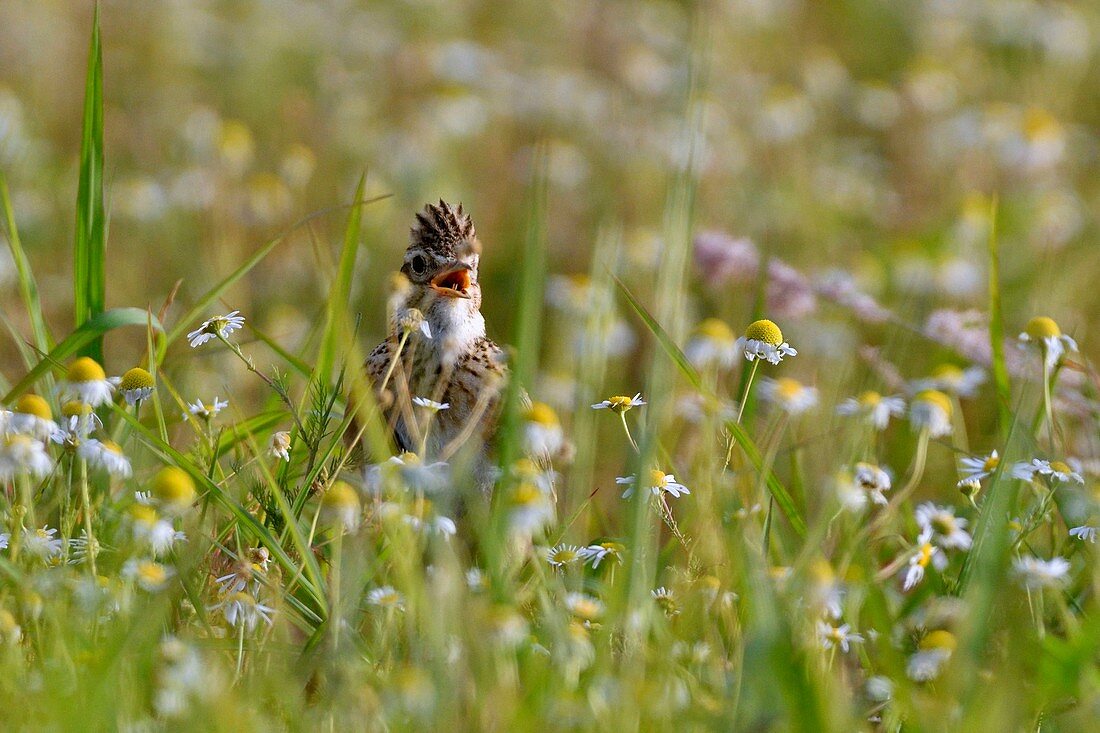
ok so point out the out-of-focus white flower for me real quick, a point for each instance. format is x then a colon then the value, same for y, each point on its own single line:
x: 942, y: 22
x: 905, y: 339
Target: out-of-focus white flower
x: 712, y: 345
x: 1035, y: 573
x: 873, y: 407
x: 933, y: 653
x: 953, y: 380
x: 406, y: 471
x: 243, y: 611
x: 21, y: 455
x: 219, y: 326
x: 31, y: 416
x: 931, y: 411
x: 927, y: 554
x: 597, y: 553
x: 1057, y: 470
x: 542, y: 433
x: 1085, y: 533
x: 940, y: 526
x: 837, y: 636
x: 107, y: 455
x: 430, y: 404
x: 386, y: 597
x: 788, y: 394
x: 42, y: 542
x: 149, y: 575
x: 584, y: 607
x: 340, y: 505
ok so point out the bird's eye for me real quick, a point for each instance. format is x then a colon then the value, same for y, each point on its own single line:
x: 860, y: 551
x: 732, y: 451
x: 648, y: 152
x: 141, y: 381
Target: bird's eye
x: 418, y: 265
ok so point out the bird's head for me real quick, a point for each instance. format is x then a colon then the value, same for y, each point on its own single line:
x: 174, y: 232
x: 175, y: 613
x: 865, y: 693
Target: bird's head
x: 442, y: 259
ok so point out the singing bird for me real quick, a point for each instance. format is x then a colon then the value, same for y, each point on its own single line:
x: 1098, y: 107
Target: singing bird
x: 450, y: 361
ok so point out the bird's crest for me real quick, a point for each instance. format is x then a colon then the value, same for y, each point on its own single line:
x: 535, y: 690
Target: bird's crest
x: 442, y: 227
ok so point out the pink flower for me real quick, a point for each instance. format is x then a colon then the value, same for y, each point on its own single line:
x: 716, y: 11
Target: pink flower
x: 722, y: 259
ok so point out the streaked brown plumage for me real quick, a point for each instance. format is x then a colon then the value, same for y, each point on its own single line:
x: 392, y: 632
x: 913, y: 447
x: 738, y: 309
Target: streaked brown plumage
x: 458, y: 364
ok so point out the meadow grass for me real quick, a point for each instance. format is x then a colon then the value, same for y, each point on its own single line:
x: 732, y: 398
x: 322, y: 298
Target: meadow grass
x: 902, y: 538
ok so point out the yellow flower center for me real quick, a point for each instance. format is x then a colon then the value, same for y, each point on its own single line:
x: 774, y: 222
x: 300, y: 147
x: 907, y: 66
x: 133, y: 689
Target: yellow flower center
x: 17, y: 441
x: 112, y: 446
x: 939, y: 639
x: 658, y: 479
x: 948, y: 373
x: 621, y: 403
x: 85, y: 369
x: 525, y: 493
x: 716, y: 330
x: 870, y: 398
x: 1041, y: 327
x: 565, y: 554
x: 341, y: 495
x: 925, y: 555
x: 935, y: 397
x: 1061, y: 467
x: 32, y: 404
x: 991, y: 463
x: 76, y: 408
x: 143, y: 514
x: 409, y: 458
x: 822, y: 571
x: 152, y: 573
x: 136, y: 378
x: 788, y: 389
x: 766, y: 331
x: 1038, y: 123
x: 525, y: 468
x: 173, y: 486
x: 542, y: 413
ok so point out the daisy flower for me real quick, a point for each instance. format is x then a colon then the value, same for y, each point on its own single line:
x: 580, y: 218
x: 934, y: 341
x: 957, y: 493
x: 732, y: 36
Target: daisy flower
x: 279, y: 447
x: 1056, y: 470
x: 712, y: 344
x: 220, y: 326
x: 584, y: 606
x: 1034, y: 573
x: 788, y: 394
x: 386, y: 596
x: 927, y: 554
x: 86, y: 381
x: 430, y: 404
x: 21, y: 455
x: 977, y: 468
x: 941, y: 526
x: 5, y: 539
x: 409, y: 471
x: 932, y: 654
x: 595, y: 554
x: 764, y: 340
x: 136, y: 385
x: 837, y: 636
x: 542, y: 433
x: 873, y: 407
x: 106, y: 455
x: 1045, y: 333
x: 562, y: 555
x: 666, y: 601
x: 243, y: 611
x: 659, y: 482
x: 620, y: 403
x: 953, y: 380
x: 150, y: 575
x: 412, y: 319
x: 151, y: 530
x: 31, y: 416
x: 873, y: 481
x: 530, y: 508
x: 42, y: 542
x: 931, y: 411
x: 1085, y: 533
x: 174, y: 489
x: 340, y: 505
x: 205, y: 411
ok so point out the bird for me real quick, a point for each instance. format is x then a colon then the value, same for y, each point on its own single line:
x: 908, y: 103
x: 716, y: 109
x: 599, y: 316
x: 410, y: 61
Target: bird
x: 437, y: 352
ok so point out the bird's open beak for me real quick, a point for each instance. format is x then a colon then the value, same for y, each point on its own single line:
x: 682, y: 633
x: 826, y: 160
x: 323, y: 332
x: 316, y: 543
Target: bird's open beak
x: 453, y: 282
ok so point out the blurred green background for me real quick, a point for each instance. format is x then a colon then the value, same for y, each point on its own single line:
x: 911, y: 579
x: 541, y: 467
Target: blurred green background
x: 860, y: 135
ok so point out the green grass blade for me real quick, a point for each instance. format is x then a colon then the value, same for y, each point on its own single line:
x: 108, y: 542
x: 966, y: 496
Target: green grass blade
x: 782, y: 497
x: 28, y: 286
x: 340, y: 292
x: 75, y: 342
x: 89, y: 262
x: 199, y: 311
x: 997, y: 328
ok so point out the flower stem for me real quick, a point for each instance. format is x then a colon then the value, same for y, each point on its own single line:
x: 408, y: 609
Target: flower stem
x: 393, y: 362
x: 626, y: 428
x: 741, y: 408
x: 86, y: 499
